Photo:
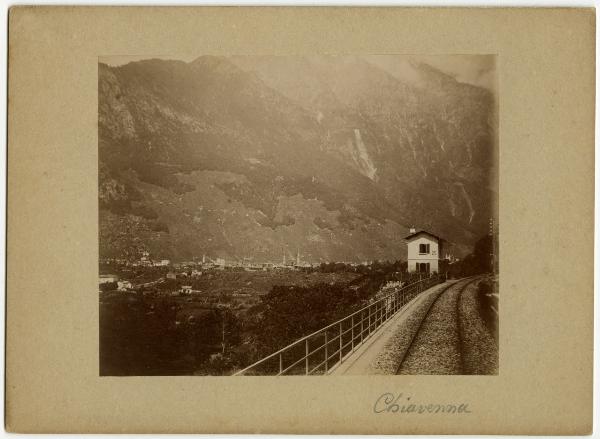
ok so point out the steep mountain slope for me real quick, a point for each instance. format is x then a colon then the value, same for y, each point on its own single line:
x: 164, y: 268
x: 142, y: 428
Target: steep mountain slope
x: 260, y: 157
x: 204, y: 158
x: 424, y: 138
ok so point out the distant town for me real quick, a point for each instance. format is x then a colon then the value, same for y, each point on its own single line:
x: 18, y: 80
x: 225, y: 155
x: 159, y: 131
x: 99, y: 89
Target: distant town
x: 130, y: 269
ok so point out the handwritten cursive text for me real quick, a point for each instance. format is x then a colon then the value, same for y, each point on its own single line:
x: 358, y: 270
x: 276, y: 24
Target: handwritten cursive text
x: 390, y: 403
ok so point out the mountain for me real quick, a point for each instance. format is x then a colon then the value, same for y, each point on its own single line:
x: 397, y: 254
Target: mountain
x: 257, y: 157
x: 426, y: 139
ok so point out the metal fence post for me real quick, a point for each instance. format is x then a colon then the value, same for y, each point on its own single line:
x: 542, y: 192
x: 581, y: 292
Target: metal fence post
x: 352, y: 333
x: 306, y: 356
x: 340, y: 342
x: 362, y: 326
x: 280, y: 363
x: 326, y: 354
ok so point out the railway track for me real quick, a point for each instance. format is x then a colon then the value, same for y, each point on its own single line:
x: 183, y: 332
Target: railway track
x: 451, y: 338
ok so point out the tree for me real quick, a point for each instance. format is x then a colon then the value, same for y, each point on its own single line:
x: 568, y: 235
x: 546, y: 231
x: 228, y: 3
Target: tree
x: 108, y: 286
x: 483, y: 254
x: 477, y: 262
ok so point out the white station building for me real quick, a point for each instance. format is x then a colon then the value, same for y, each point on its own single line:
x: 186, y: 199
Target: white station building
x: 424, y: 251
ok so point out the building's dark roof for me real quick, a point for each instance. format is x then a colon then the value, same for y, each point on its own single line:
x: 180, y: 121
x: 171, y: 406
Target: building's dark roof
x: 424, y: 232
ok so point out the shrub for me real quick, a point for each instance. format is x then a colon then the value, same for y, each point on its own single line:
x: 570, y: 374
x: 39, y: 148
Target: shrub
x: 159, y: 226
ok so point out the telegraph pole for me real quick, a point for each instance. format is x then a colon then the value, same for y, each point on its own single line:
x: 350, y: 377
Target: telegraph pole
x: 493, y: 250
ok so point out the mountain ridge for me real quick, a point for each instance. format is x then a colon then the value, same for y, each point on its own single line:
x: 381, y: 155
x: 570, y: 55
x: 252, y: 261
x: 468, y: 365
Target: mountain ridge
x: 207, y: 157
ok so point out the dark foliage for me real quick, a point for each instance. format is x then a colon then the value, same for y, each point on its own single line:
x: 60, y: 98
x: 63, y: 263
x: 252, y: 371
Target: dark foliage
x: 161, y: 336
x: 486, y: 302
x: 291, y: 312
x: 108, y: 286
x: 477, y: 262
x: 159, y: 226
x: 153, y: 334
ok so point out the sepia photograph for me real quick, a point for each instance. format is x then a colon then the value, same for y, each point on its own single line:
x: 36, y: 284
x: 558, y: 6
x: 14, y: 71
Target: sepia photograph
x: 298, y: 215
x: 297, y: 220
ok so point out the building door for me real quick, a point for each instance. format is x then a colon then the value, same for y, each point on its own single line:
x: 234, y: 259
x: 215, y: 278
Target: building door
x: 423, y: 267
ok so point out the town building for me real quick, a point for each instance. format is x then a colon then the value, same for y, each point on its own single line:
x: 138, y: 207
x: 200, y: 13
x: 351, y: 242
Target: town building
x: 424, y: 250
x: 124, y: 285
x: 107, y: 278
x: 186, y: 289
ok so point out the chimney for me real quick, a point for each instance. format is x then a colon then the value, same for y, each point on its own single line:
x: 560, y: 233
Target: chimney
x: 412, y: 230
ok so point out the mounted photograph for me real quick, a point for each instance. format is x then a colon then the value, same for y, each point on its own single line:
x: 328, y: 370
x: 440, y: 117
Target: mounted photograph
x: 298, y: 215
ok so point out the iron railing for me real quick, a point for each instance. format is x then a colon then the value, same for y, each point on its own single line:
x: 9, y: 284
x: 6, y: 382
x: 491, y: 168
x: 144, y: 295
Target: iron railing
x: 319, y: 352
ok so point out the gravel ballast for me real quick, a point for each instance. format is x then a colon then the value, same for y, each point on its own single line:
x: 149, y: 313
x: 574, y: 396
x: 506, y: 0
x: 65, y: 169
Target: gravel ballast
x: 436, y: 347
x: 441, y: 332
x: 389, y: 359
x: 480, y: 352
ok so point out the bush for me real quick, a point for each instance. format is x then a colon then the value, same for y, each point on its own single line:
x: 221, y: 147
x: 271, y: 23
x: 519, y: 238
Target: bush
x: 484, y: 289
x: 108, y: 286
x: 486, y: 302
x: 159, y: 226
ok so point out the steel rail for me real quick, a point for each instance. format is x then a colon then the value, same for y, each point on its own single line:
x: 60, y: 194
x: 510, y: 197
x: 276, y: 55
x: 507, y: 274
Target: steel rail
x: 461, y: 284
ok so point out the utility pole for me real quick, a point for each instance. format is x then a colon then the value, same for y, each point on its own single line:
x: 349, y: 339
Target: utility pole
x: 493, y: 250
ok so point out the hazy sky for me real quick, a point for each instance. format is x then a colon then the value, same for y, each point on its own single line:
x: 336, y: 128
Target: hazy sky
x: 472, y: 69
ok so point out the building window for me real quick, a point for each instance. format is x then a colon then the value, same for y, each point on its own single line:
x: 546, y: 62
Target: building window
x: 424, y: 249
